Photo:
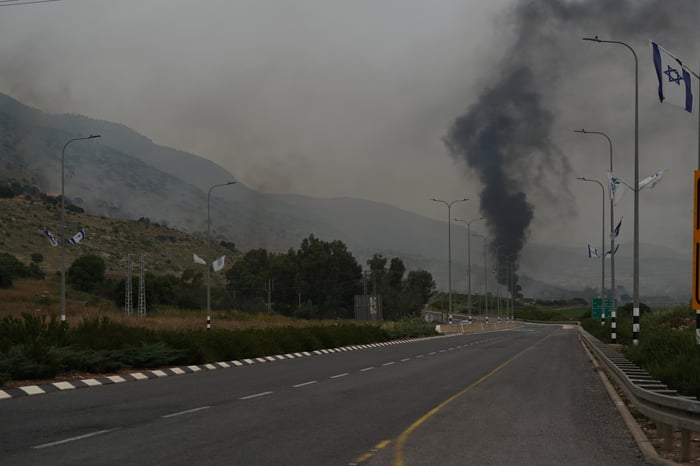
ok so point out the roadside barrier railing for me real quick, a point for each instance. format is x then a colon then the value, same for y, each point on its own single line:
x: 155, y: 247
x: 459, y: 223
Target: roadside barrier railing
x: 667, y: 408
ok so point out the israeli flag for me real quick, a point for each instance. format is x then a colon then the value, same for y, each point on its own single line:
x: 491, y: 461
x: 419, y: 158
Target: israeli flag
x: 52, y: 238
x: 616, y: 232
x: 199, y: 260
x: 592, y: 252
x: 650, y: 181
x: 78, y: 237
x: 617, y: 188
x: 607, y: 253
x: 675, y: 84
x: 218, y: 264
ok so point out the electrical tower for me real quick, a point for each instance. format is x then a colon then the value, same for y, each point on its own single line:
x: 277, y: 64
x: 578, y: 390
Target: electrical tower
x: 128, y: 291
x: 142, y: 291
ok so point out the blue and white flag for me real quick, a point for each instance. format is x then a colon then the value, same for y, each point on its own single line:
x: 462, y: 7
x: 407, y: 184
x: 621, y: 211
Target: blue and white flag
x: 651, y: 181
x: 78, y: 237
x: 218, y: 264
x: 199, y: 260
x: 617, y: 188
x: 616, y: 231
x: 592, y: 252
x: 607, y: 253
x: 675, y: 84
x: 52, y: 238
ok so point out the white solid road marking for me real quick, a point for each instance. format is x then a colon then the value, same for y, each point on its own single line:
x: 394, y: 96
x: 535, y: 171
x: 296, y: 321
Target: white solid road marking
x: 193, y: 410
x: 255, y: 396
x: 304, y: 384
x: 339, y: 375
x: 71, y: 439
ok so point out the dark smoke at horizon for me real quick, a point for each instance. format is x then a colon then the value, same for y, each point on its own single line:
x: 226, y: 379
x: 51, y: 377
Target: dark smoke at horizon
x: 505, y: 136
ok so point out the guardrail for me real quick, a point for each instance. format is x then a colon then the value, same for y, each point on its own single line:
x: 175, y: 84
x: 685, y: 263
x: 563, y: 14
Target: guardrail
x: 654, y: 399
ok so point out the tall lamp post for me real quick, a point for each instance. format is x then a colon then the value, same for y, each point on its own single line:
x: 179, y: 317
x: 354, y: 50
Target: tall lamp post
x: 635, y: 271
x: 613, y: 291
x: 602, y: 242
x: 209, y: 259
x: 63, y: 226
x: 497, y: 274
x: 469, y: 261
x: 449, y: 249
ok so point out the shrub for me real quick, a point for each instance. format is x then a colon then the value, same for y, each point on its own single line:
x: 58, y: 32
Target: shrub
x: 87, y: 272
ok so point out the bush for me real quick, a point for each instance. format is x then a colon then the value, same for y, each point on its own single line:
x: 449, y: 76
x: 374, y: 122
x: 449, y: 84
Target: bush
x: 87, y: 272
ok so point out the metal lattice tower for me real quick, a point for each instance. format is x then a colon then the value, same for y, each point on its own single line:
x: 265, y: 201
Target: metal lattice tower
x: 142, y: 291
x: 128, y: 291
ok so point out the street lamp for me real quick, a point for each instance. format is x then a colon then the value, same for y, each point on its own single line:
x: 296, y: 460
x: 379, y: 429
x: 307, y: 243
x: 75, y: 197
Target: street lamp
x: 497, y: 273
x: 209, y: 259
x: 63, y: 227
x: 602, y: 242
x: 509, y: 272
x: 469, y: 262
x: 635, y: 272
x: 449, y: 249
x: 613, y: 291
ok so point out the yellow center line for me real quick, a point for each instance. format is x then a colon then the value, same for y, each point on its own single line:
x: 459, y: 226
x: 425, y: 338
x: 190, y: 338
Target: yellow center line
x: 400, y: 442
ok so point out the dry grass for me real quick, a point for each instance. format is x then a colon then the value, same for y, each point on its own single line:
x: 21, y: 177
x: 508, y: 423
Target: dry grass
x: 43, y: 296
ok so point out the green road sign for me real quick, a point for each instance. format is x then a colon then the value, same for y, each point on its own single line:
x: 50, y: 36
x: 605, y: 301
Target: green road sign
x: 606, y: 305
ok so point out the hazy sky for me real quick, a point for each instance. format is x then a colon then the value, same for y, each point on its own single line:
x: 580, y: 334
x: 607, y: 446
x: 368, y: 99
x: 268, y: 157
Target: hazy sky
x: 353, y: 98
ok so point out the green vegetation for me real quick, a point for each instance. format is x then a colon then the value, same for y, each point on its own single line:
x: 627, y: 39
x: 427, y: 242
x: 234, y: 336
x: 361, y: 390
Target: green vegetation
x: 34, y: 347
x: 666, y: 349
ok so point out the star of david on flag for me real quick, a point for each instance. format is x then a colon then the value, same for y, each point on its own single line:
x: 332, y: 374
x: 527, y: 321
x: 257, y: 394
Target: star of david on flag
x: 78, y: 237
x: 53, y: 241
x: 592, y: 252
x: 675, y: 83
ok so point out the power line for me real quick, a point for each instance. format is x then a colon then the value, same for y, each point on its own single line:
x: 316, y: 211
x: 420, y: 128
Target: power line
x: 21, y: 2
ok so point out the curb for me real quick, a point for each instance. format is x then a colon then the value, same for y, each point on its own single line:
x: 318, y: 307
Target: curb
x: 42, y: 389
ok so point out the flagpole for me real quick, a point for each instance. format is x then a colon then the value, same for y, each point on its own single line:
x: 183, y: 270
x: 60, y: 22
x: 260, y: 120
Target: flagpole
x: 63, y: 226
x: 209, y: 259
x: 613, y: 291
x: 635, y: 267
x: 602, y: 242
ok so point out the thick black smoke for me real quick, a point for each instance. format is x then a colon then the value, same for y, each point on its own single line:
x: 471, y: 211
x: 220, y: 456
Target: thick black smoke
x: 505, y: 136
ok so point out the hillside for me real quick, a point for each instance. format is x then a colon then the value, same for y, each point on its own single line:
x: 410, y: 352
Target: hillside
x: 165, y: 250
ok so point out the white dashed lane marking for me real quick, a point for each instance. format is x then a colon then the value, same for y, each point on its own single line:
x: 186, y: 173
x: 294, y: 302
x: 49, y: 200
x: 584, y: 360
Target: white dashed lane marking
x: 71, y: 439
x: 304, y: 384
x: 257, y: 395
x: 188, y: 411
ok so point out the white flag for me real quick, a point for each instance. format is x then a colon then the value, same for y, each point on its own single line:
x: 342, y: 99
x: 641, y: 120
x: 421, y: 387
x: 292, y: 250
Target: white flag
x: 617, y: 188
x: 78, y: 237
x: 199, y: 260
x: 218, y: 264
x: 675, y: 83
x: 52, y: 238
x: 651, y: 180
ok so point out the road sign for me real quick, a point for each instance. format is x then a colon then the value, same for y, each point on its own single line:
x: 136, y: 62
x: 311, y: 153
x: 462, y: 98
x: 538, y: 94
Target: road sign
x: 599, y: 305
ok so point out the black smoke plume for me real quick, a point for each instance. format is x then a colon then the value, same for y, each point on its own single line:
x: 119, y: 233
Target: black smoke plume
x: 505, y: 136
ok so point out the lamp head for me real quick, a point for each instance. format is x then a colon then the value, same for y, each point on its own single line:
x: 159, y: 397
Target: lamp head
x: 93, y: 136
x: 592, y: 39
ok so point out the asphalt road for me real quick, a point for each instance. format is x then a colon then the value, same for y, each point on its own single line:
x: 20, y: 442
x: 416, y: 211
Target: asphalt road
x: 526, y: 396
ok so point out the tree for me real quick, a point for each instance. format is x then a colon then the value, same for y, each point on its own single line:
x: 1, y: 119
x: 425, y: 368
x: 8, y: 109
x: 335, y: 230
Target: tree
x: 87, y: 272
x: 418, y: 287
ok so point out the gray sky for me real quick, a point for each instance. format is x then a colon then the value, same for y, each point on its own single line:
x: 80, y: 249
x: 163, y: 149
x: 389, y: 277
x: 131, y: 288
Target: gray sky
x: 353, y: 98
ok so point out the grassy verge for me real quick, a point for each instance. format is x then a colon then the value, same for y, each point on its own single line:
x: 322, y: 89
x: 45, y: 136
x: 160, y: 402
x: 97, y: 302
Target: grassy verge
x: 667, y: 348
x: 40, y: 347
